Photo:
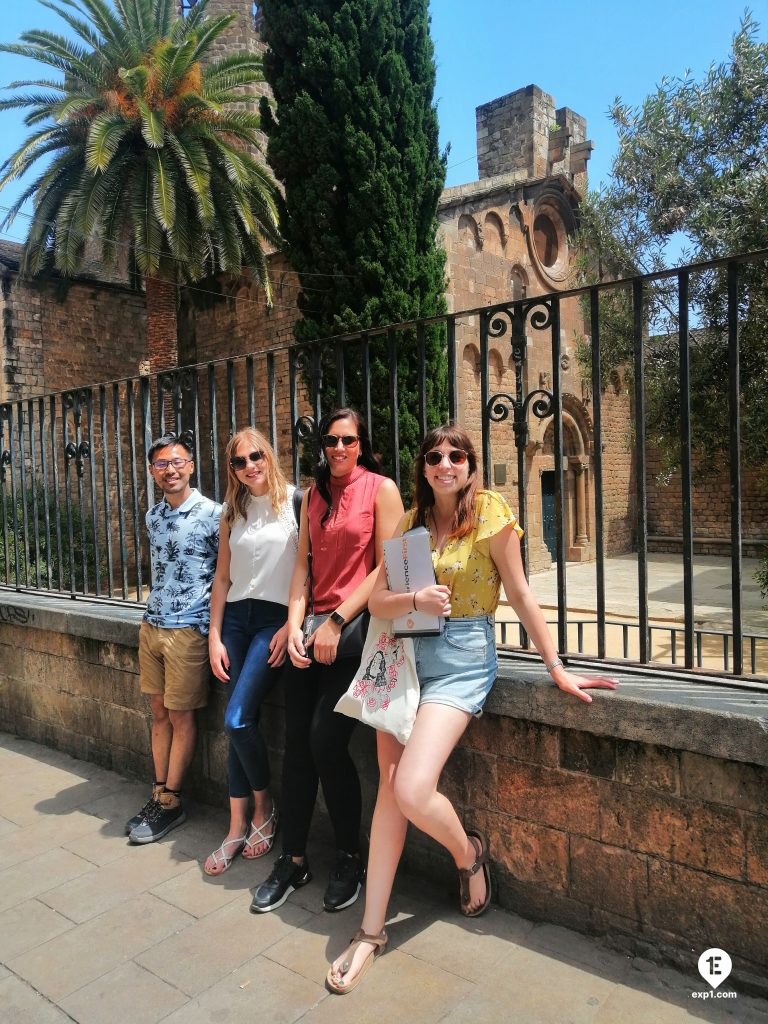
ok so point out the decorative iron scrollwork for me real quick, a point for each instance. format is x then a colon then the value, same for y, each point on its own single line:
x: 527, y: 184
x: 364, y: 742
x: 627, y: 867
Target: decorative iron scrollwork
x: 78, y: 452
x: 175, y: 382
x: 500, y: 405
x: 305, y: 429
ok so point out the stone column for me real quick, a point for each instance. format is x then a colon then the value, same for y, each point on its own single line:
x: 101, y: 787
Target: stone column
x: 579, y: 468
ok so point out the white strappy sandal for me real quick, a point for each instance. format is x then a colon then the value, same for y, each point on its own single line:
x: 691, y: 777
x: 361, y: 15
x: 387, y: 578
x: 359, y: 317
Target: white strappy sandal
x: 221, y: 857
x: 259, y: 834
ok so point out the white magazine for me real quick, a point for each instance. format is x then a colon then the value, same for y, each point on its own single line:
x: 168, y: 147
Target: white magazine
x: 408, y: 562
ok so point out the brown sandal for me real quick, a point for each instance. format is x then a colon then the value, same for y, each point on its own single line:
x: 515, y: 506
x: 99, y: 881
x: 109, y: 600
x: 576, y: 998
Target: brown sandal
x: 378, y: 942
x: 481, y: 861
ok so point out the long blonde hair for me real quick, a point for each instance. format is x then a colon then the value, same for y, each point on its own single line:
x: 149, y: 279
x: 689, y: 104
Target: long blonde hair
x: 237, y: 495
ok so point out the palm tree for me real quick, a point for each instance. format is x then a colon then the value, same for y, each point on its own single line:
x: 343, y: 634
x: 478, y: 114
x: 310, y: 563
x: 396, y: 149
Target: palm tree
x: 144, y: 142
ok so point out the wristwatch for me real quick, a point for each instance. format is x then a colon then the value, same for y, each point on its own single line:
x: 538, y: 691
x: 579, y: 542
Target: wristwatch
x: 338, y: 618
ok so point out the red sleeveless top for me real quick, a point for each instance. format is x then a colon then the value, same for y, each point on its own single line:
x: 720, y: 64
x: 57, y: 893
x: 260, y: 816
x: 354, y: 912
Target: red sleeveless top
x: 344, y: 547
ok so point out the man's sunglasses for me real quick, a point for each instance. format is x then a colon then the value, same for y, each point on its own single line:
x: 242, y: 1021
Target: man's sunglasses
x: 332, y: 440
x: 240, y: 461
x: 457, y: 456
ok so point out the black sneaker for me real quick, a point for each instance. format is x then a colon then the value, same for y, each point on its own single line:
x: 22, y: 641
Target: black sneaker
x: 137, y: 819
x: 345, y: 881
x: 284, y: 878
x: 157, y: 822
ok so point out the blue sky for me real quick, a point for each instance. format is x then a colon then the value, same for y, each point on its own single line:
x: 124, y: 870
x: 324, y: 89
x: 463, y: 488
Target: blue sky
x: 583, y: 54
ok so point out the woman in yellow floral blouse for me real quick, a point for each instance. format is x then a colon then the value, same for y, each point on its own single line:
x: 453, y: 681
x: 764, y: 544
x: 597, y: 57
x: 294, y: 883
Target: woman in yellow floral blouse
x: 475, y: 548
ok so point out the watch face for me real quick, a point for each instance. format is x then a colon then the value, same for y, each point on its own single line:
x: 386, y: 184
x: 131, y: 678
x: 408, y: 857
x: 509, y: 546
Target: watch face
x: 337, y: 618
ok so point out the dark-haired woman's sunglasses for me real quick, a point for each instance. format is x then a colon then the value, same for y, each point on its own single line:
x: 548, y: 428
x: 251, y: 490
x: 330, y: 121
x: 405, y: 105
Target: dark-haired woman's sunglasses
x: 457, y: 456
x: 332, y: 440
x: 240, y: 461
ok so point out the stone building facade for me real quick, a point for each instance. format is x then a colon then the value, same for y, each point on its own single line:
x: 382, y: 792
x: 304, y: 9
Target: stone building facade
x: 507, y: 236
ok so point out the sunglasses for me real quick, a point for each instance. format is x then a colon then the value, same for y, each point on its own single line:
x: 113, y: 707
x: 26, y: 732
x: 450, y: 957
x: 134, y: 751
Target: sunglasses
x: 332, y: 440
x: 240, y: 461
x: 457, y: 456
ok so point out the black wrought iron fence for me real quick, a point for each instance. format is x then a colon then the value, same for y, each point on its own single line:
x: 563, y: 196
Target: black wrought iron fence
x: 530, y: 379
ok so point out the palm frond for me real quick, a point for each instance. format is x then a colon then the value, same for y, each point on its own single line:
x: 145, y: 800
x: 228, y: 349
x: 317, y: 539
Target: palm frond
x: 191, y: 154
x: 209, y: 32
x: 106, y: 133
x: 163, y: 14
x: 30, y: 99
x: 163, y: 188
x: 103, y: 17
x: 19, y: 161
x: 80, y: 27
x: 152, y: 125
x: 145, y: 225
x: 38, y: 83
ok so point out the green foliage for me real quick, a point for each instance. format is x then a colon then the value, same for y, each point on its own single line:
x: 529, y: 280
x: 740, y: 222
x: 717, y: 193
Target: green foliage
x: 32, y: 504
x: 691, y: 164
x: 354, y: 139
x: 141, y: 142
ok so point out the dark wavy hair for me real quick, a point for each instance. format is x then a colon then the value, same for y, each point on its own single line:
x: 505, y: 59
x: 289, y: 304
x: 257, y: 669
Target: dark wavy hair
x: 366, y: 457
x: 185, y: 438
x: 465, y: 517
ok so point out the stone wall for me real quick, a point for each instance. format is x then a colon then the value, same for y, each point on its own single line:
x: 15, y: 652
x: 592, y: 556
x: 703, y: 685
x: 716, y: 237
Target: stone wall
x: 641, y: 817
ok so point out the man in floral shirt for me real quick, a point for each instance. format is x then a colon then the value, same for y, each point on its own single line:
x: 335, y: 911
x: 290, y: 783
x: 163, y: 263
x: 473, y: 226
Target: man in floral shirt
x: 183, y: 533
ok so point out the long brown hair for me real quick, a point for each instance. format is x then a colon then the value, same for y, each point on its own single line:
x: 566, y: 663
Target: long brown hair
x: 465, y: 517
x: 238, y: 494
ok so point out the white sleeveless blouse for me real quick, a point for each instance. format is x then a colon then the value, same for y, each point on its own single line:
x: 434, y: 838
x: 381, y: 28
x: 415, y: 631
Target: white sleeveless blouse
x: 263, y: 550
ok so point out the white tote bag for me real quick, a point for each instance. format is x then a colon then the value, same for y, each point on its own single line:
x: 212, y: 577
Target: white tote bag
x: 385, y: 690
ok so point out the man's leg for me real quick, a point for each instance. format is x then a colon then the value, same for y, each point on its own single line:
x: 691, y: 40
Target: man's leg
x: 162, y: 736
x: 182, y: 748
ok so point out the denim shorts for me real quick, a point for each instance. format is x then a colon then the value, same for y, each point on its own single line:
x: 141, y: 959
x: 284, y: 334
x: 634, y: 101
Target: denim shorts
x: 458, y: 668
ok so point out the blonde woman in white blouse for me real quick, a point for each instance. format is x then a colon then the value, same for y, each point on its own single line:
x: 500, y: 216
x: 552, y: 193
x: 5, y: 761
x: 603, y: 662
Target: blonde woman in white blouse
x: 248, y: 633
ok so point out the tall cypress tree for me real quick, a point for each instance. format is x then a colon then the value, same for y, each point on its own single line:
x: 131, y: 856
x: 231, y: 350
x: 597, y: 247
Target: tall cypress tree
x: 353, y: 137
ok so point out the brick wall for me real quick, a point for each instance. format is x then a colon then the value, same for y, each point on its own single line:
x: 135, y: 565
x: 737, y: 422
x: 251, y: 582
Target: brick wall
x: 59, y: 334
x: 711, y: 510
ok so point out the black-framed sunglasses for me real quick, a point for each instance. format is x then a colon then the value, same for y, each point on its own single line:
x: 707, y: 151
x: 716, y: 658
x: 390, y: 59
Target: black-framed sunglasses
x: 240, y: 461
x: 178, y: 463
x: 332, y: 440
x: 457, y: 456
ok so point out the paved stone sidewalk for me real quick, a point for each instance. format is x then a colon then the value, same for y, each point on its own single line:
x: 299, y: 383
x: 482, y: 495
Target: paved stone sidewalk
x: 96, y: 931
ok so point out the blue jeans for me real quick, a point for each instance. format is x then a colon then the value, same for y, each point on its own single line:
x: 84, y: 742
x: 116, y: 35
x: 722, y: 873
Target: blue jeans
x: 246, y: 632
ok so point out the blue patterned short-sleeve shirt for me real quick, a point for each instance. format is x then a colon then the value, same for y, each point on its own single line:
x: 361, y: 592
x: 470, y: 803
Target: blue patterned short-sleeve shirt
x: 183, y: 543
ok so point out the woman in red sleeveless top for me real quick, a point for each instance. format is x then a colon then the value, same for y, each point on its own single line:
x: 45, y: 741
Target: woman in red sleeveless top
x: 345, y: 518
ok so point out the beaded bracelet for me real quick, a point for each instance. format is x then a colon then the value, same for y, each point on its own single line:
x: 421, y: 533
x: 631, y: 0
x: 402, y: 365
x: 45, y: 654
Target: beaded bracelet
x: 557, y: 663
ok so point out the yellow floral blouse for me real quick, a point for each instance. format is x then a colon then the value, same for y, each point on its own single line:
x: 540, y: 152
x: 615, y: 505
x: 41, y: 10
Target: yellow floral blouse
x: 465, y: 564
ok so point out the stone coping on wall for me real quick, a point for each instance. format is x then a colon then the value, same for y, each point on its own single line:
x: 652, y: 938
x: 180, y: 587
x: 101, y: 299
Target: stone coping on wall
x: 717, y: 720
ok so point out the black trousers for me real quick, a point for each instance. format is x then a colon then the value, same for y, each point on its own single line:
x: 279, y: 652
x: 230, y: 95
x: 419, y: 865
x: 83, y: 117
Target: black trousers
x: 316, y: 749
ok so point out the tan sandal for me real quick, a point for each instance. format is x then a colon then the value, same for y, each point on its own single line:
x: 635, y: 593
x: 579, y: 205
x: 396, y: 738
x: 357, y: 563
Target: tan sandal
x: 378, y: 942
x: 480, y: 843
x: 259, y: 834
x: 221, y: 857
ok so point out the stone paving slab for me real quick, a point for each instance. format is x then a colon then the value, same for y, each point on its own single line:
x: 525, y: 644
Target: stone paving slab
x: 96, y: 931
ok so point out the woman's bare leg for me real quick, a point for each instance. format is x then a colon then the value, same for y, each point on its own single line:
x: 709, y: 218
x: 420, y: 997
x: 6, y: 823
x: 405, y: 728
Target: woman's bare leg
x: 437, y: 730
x: 387, y: 838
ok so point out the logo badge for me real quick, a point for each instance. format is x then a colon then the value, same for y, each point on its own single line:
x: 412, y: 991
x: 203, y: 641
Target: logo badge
x: 714, y: 966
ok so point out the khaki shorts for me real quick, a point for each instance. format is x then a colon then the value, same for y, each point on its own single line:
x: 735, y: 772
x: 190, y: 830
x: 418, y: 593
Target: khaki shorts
x: 174, y: 663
